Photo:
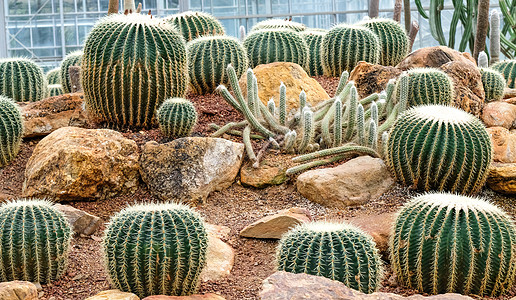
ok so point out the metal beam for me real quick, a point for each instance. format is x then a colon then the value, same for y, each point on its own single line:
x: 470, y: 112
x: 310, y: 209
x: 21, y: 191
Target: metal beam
x: 3, y: 30
x: 61, y: 16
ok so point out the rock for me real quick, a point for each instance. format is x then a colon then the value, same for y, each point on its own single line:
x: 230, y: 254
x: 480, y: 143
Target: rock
x: 81, y: 221
x: 269, y: 77
x: 377, y: 226
x: 273, y: 227
x: 220, y: 231
x: 502, y: 178
x: 43, y: 117
x: 352, y: 183
x: 208, y: 296
x: 289, y: 286
x: 189, y: 169
x: 114, y: 295
x: 219, y: 259
x: 433, y: 57
x: 18, y: 290
x: 499, y: 113
x: 4, y: 197
x: 370, y: 78
x: 265, y: 175
x: 504, y: 144
x: 82, y: 164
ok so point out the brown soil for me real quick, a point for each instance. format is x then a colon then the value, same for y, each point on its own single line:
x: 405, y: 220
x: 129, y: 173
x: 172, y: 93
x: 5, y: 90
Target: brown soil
x: 234, y: 207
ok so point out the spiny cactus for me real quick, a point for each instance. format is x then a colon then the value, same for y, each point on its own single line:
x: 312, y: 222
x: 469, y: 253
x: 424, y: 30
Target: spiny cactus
x: 337, y: 251
x: 508, y: 69
x: 445, y: 243
x: 434, y: 147
x: 177, y: 117
x: 313, y: 39
x: 54, y: 76
x: 194, y: 24
x: 71, y: 59
x: 394, y: 40
x: 35, y: 241
x: 494, y: 36
x: 131, y: 64
x: 279, y: 24
x: 155, y: 249
x: 208, y: 58
x: 482, y: 61
x: 22, y: 80
x: 345, y: 45
x: 11, y: 130
x: 55, y: 90
x: 428, y: 86
x: 493, y: 83
x: 272, y: 45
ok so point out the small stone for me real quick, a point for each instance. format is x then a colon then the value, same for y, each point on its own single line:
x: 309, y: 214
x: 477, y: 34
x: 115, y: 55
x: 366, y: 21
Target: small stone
x: 96, y: 238
x: 18, y: 290
x: 502, y: 177
x: 219, y: 259
x: 263, y: 176
x: 114, y: 295
x: 377, y: 226
x: 273, y: 227
x: 82, y: 222
x: 499, y: 114
x: 504, y: 144
x: 371, y: 78
x: 208, y: 296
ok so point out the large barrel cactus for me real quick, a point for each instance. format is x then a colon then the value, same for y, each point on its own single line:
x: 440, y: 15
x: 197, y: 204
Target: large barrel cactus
x: 11, y: 130
x: 494, y: 84
x: 194, y: 24
x: 35, y: 241
x: 345, y: 45
x: 54, y: 76
x: 435, y: 147
x: 156, y: 249
x: 130, y: 65
x: 428, y: 86
x: 55, y: 90
x: 72, y: 59
x: 208, y: 58
x: 445, y: 243
x: 272, y: 45
x: 508, y: 69
x: 337, y: 251
x: 177, y: 117
x: 313, y: 39
x: 393, y: 39
x: 279, y: 24
x: 22, y: 80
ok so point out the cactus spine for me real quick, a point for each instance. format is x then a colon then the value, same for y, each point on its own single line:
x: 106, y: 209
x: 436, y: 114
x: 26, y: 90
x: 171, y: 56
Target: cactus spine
x: 445, y: 243
x: 11, y: 130
x: 54, y: 76
x: 428, y: 86
x: 278, y: 24
x: 313, y: 39
x: 72, y: 59
x: 55, y: 90
x: 394, y: 40
x: 494, y: 84
x: 194, y: 24
x: 508, y: 69
x: 22, y: 80
x: 176, y: 117
x: 337, y: 251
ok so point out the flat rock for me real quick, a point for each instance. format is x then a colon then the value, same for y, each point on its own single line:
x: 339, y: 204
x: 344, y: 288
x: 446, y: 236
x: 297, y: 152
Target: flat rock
x: 371, y: 78
x: 377, y: 226
x: 208, y: 296
x: 353, y: 183
x: 114, y: 295
x: 274, y: 226
x: 220, y: 258
x: 499, y: 113
x: 433, y: 57
x: 189, y: 169
x: 82, y: 164
x: 502, y: 177
x: 265, y: 175
x: 18, y: 290
x: 81, y: 221
x: 504, y: 144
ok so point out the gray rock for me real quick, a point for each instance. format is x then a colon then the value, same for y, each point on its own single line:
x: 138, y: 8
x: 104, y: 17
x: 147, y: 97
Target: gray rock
x: 273, y: 227
x: 81, y: 221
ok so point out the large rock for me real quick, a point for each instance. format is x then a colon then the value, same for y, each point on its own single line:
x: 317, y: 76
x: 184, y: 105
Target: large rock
x: 265, y: 175
x: 274, y: 226
x: 269, y: 77
x: 504, y: 144
x: 81, y: 221
x: 370, y: 78
x: 114, y: 295
x: 220, y: 258
x: 433, y: 57
x: 208, y: 296
x: 502, y: 178
x: 352, y: 183
x: 189, y: 169
x: 18, y: 290
x: 82, y: 164
x: 500, y: 114
x: 378, y: 226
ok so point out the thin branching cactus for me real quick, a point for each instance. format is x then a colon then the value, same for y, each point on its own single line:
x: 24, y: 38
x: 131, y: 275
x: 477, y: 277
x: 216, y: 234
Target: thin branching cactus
x: 11, y: 130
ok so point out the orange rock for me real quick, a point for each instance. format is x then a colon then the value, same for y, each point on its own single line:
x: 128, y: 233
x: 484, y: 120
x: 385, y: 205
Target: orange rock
x: 434, y: 57
x: 371, y: 78
x: 504, y: 144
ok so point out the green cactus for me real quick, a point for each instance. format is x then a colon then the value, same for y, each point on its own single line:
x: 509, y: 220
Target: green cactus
x: 194, y: 24
x: 394, y: 40
x: 22, y: 80
x: 272, y: 45
x: 176, y: 117
x: 435, y: 147
x: 71, y: 59
x: 427, y: 86
x: 11, y: 130
x: 278, y: 24
x: 208, y: 58
x: 54, y: 76
x: 337, y: 251
x: 445, y: 243
x: 494, y: 84
x: 55, y: 90
x: 35, y: 241
x: 131, y: 64
x: 508, y: 69
x: 345, y: 45
x: 313, y: 39
x: 156, y: 249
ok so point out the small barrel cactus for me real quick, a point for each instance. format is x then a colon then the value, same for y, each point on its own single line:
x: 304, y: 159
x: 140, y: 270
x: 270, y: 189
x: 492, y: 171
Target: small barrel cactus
x: 194, y: 24
x: 55, y: 90
x: 54, y: 76
x: 177, y: 117
x: 508, y: 69
x: 337, y: 251
x: 156, y: 249
x: 11, y: 130
x: 272, y: 45
x: 208, y: 58
x: 345, y: 45
x: 435, y: 147
x: 130, y: 65
x: 494, y: 84
x: 445, y: 243
x: 22, y: 80
x: 313, y: 39
x: 35, y: 241
x: 279, y: 24
x: 394, y: 40
x: 72, y: 59
x: 428, y: 86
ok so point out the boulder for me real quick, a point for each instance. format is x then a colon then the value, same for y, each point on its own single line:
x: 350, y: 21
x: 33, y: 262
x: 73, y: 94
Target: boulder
x: 220, y: 231
x: 189, y: 169
x: 377, y: 226
x: 114, y: 295
x: 220, y: 258
x: 270, y: 76
x: 18, y: 290
x: 82, y: 164
x: 208, y: 296
x: 265, y: 175
x: 81, y: 221
x: 371, y: 78
x: 504, y: 144
x: 352, y: 183
x: 433, y: 57
x: 499, y: 113
x: 273, y: 227
x: 502, y: 178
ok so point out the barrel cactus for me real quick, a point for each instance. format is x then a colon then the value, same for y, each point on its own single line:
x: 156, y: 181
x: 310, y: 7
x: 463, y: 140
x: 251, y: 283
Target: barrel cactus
x: 279, y: 24
x: 35, y: 241
x: 345, y: 45
x: 22, y: 80
x: 313, y: 39
x: 54, y: 76
x: 338, y: 251
x: 72, y: 59
x: 194, y: 24
x: 177, y: 117
x: 394, y: 40
x: 272, y: 45
x: 11, y: 130
x: 208, y: 58
x: 130, y: 65
x: 446, y: 243
x: 55, y: 90
x: 508, y: 69
x: 493, y: 83
x: 435, y: 147
x: 156, y: 249
x: 428, y: 86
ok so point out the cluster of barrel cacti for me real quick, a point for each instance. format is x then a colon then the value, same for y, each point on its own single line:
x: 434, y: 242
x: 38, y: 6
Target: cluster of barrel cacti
x: 176, y: 117
x: 11, y: 130
x: 22, y: 80
x: 72, y: 59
